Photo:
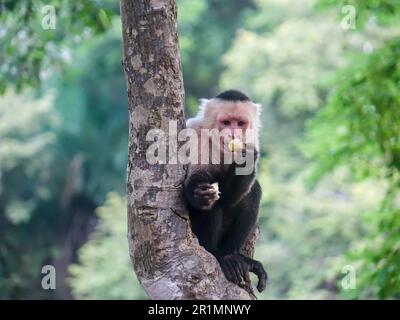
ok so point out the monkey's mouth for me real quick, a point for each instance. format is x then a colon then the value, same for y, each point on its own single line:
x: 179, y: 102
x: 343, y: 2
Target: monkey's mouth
x: 226, y: 141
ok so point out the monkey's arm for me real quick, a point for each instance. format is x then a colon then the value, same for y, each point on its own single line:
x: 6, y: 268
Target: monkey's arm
x: 236, y: 186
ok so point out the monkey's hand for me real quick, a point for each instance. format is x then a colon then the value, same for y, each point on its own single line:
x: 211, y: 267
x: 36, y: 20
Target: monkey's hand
x: 205, y: 196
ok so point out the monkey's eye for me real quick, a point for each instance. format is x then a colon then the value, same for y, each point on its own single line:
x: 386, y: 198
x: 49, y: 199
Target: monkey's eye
x: 226, y: 122
x: 241, y: 123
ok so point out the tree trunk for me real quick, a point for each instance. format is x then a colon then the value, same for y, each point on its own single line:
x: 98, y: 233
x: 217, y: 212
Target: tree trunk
x: 167, y: 258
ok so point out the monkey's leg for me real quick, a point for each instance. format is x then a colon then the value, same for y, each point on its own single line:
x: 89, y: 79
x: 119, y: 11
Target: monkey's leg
x: 244, y: 215
x: 207, y: 227
x: 234, y: 265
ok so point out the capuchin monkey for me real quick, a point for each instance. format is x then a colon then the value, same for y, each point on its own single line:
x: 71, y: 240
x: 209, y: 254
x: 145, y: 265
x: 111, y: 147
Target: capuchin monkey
x: 224, y: 204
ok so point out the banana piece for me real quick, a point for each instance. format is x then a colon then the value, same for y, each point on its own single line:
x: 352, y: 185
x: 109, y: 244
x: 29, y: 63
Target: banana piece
x: 235, y: 145
x: 215, y: 185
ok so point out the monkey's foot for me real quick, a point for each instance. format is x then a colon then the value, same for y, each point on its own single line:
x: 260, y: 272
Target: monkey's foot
x: 205, y: 195
x: 234, y: 268
x: 257, y: 268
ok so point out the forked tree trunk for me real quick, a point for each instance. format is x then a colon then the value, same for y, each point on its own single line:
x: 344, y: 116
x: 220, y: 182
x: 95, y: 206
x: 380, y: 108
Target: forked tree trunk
x: 167, y: 259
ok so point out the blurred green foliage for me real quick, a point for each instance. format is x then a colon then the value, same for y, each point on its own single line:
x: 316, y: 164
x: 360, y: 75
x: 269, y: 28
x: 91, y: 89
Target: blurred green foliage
x: 385, y: 11
x: 105, y: 271
x: 28, y: 50
x: 52, y: 177
x: 330, y: 141
x: 360, y: 129
x: 206, y: 31
x: 91, y: 101
x: 26, y: 155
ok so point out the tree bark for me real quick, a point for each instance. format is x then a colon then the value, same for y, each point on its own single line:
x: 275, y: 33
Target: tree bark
x: 166, y: 256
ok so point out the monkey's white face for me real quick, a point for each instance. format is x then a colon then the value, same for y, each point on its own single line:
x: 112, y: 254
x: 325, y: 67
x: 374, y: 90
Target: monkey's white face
x: 232, y: 120
x: 231, y: 127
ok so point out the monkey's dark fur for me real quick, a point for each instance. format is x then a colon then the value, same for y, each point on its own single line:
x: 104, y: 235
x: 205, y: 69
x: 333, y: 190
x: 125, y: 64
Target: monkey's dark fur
x: 223, y: 226
x: 233, y: 95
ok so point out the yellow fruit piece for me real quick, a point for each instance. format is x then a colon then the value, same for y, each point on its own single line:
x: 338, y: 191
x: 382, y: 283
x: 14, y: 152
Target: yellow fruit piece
x: 215, y: 186
x: 235, y: 145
